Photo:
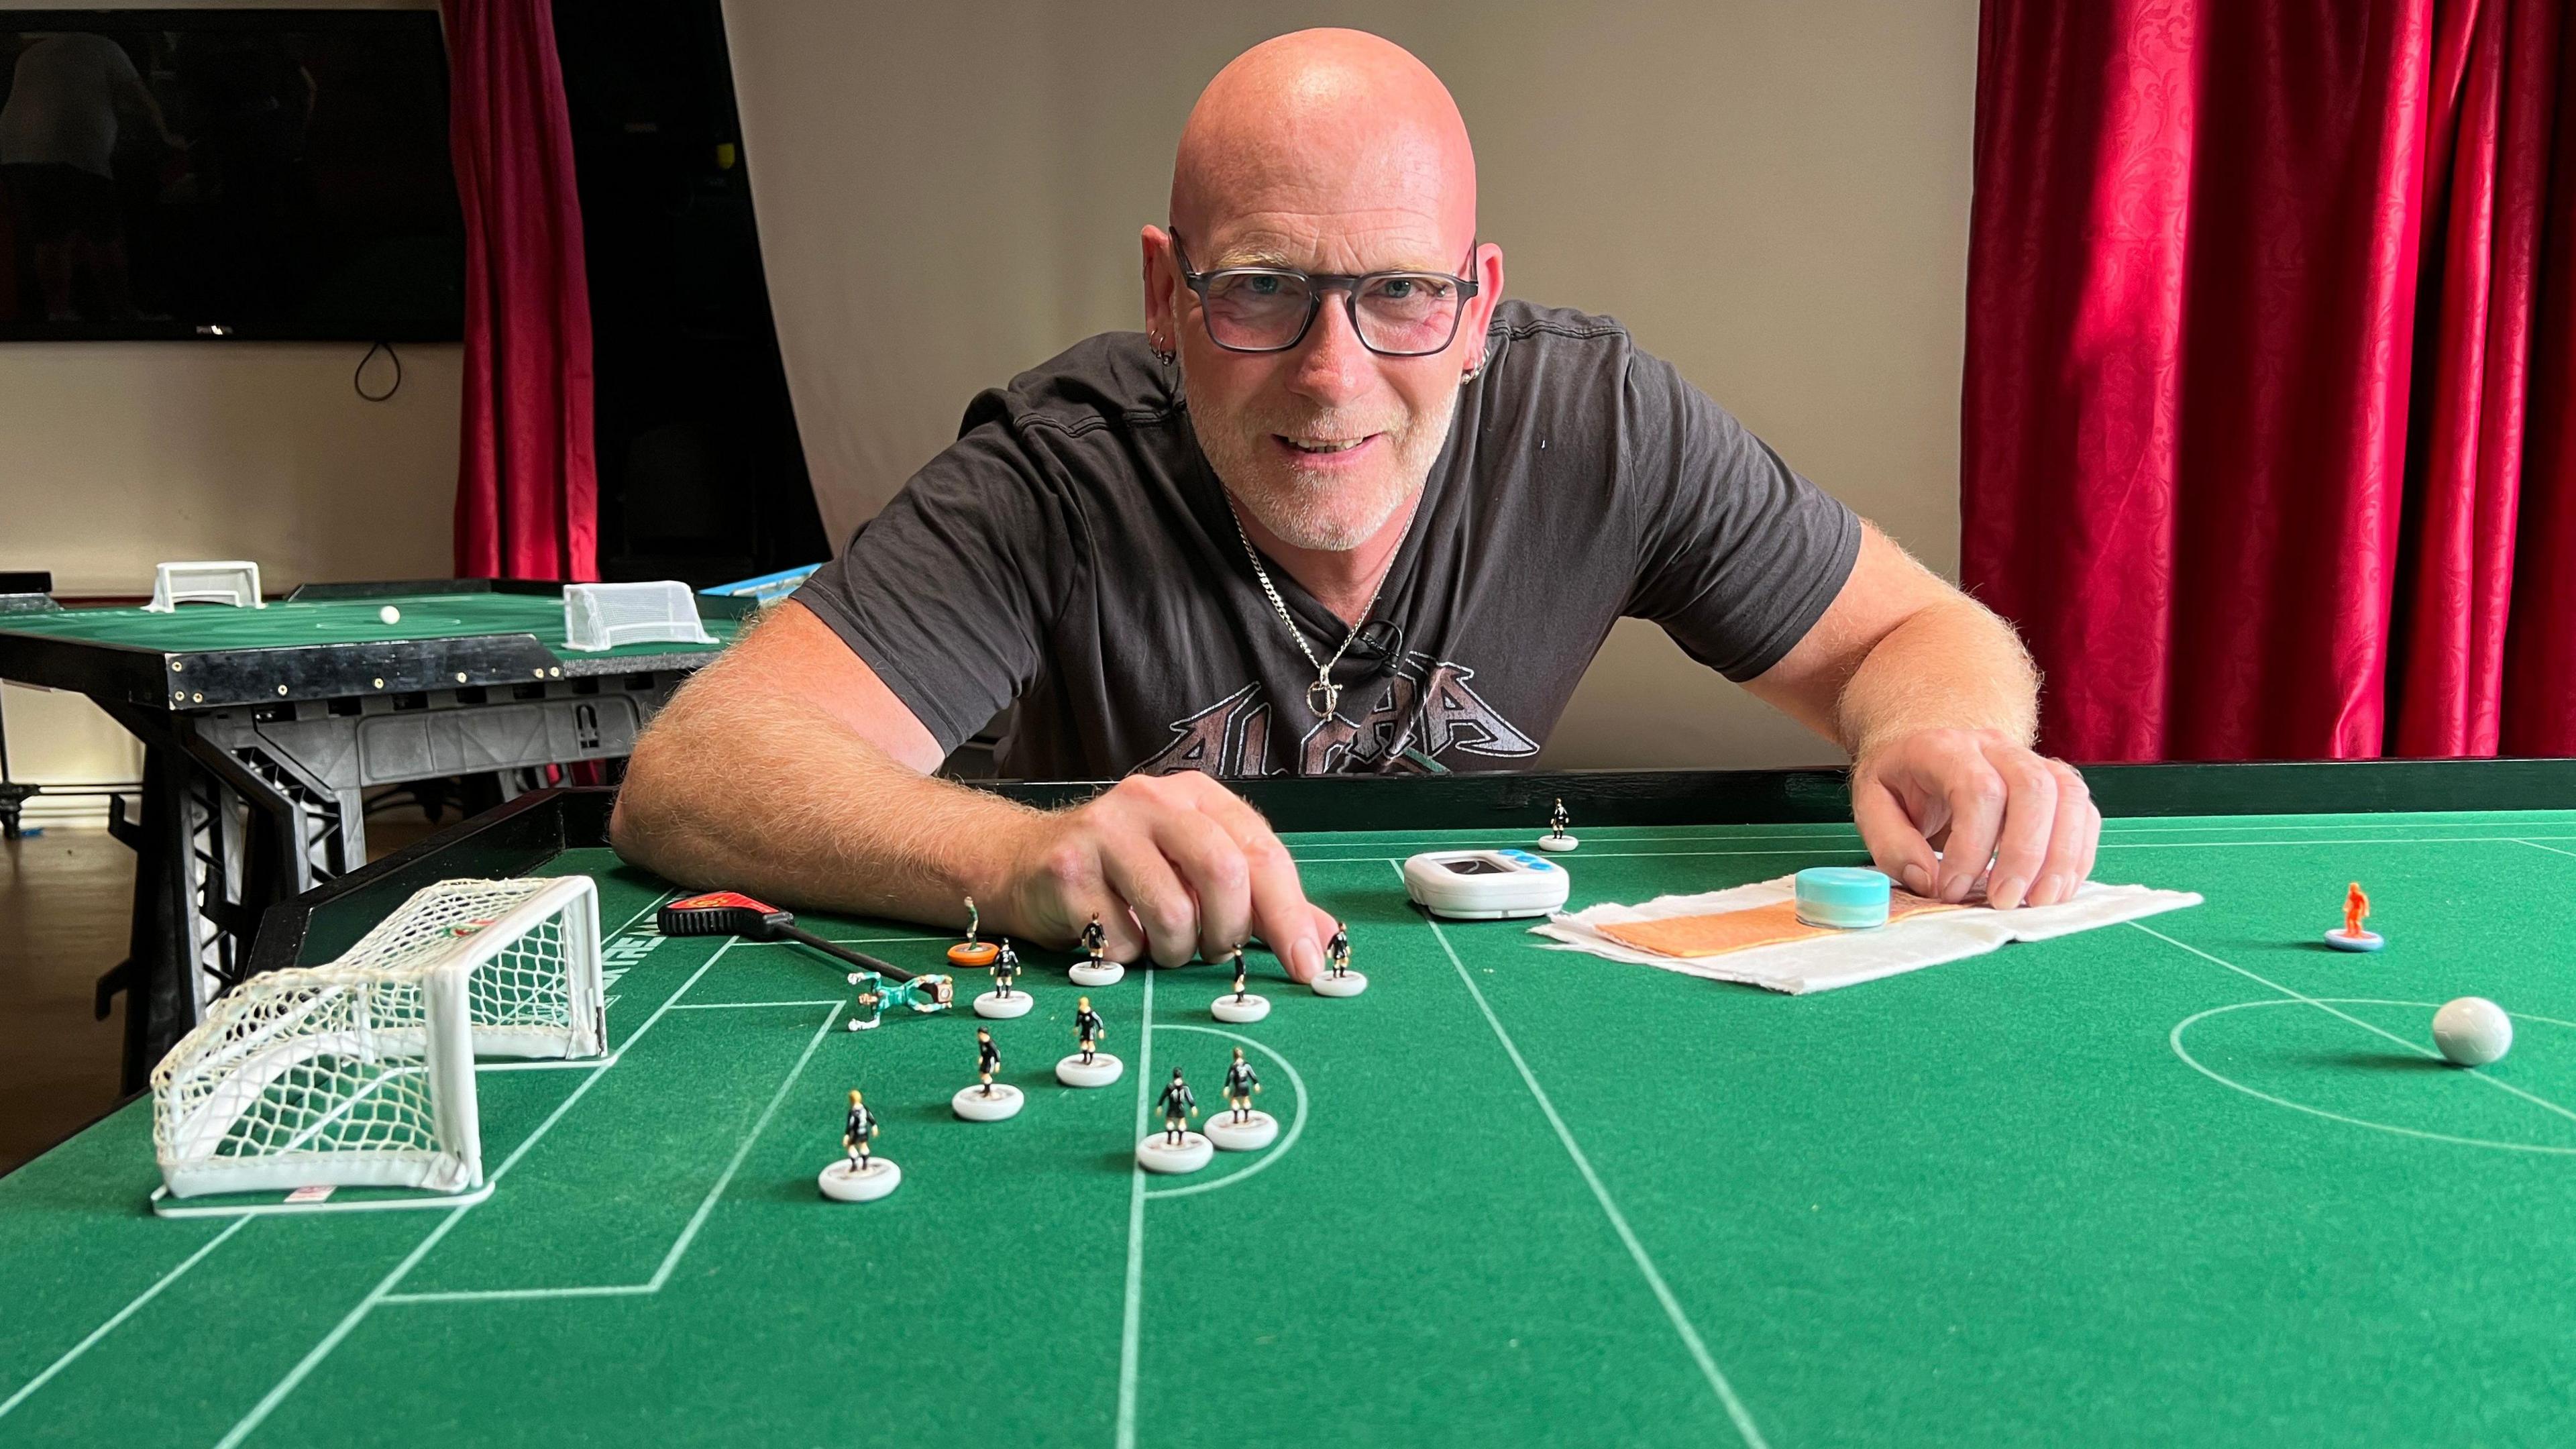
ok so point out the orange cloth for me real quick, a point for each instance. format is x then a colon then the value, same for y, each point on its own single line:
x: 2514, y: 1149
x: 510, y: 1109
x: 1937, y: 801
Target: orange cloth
x: 1729, y: 931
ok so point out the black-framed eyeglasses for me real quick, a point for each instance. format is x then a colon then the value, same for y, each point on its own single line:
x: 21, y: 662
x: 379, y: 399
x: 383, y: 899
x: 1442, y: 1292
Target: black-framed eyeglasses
x: 1270, y: 309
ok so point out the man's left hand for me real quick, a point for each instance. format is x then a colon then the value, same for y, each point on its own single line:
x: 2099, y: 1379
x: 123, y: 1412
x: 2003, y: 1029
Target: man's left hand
x: 1975, y: 796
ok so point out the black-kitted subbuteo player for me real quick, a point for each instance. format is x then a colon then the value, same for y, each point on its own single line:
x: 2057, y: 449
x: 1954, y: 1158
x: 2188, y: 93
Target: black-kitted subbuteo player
x: 988, y: 1058
x: 1006, y: 968
x: 1178, y: 1107
x: 1241, y: 1081
x: 1238, y: 973
x: 1095, y: 941
x: 1557, y: 820
x: 1337, y: 951
x: 1087, y: 1028
x: 861, y: 1130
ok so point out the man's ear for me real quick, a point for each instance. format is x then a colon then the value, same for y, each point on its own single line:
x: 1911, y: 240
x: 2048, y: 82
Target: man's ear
x: 1161, y: 274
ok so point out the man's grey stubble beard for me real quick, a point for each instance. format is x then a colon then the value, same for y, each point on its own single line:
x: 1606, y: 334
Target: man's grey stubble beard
x: 1299, y: 512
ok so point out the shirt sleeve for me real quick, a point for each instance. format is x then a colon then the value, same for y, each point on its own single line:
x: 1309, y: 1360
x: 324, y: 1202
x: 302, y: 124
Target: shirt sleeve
x: 1738, y: 556
x: 948, y: 593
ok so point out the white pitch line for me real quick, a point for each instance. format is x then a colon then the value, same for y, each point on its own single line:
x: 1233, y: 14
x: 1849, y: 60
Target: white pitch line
x: 1131, y: 1322
x: 688, y: 1234
x: 2536, y: 845
x: 1708, y: 1368
x: 2416, y: 1047
x: 649, y: 907
x: 2174, y: 1038
x: 349, y: 1322
x: 747, y: 1005
x: 1296, y: 1129
x: 122, y: 1314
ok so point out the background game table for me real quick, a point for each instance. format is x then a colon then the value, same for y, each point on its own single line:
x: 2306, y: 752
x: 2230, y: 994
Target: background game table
x: 2188, y: 1180
x: 262, y: 728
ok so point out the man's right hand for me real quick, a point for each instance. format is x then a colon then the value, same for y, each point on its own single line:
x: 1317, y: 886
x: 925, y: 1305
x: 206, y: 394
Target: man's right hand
x: 1176, y: 866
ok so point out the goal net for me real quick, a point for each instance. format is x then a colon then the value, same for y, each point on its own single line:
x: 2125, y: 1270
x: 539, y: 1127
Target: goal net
x: 323, y: 1074
x: 534, y: 949
x: 361, y: 1072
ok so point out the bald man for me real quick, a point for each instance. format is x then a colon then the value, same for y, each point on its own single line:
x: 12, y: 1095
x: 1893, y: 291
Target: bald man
x: 1340, y: 508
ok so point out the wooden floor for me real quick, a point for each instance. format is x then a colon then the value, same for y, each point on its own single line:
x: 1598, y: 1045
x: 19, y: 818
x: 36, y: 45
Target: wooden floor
x: 65, y: 899
x: 65, y: 896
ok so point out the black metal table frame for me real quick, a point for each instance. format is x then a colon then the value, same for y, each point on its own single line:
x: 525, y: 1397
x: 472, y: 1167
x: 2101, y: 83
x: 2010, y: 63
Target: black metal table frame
x: 255, y: 761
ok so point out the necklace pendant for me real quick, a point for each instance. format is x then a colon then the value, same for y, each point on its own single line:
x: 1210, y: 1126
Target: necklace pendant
x: 1323, y: 697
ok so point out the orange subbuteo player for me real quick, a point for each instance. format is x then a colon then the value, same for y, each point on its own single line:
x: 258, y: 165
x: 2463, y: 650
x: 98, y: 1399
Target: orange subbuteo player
x: 2354, y: 936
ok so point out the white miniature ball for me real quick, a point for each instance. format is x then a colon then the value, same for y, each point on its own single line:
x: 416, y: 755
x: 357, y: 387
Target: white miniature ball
x: 2473, y: 1031
x: 390, y: 614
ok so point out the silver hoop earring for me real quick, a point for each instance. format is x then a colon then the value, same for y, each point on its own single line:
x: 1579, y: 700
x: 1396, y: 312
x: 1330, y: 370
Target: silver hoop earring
x: 1162, y: 354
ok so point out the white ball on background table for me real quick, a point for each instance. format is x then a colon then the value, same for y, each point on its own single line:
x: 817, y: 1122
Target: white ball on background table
x: 2473, y: 1031
x: 390, y: 614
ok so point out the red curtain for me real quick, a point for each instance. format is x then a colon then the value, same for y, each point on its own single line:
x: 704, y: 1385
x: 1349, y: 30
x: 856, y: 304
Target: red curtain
x: 2267, y: 349
x: 527, y: 490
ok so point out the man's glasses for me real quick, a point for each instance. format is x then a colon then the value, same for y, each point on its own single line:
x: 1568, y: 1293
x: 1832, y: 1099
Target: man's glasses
x: 1269, y: 309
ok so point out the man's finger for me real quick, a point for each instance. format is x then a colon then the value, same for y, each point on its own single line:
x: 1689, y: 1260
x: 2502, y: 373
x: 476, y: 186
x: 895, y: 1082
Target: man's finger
x: 1153, y: 892
x: 2070, y: 839
x: 1213, y: 868
x: 2030, y: 822
x: 1895, y: 845
x: 1281, y: 915
x: 1976, y: 795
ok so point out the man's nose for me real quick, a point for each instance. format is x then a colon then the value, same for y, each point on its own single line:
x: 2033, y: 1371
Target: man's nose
x: 1333, y: 366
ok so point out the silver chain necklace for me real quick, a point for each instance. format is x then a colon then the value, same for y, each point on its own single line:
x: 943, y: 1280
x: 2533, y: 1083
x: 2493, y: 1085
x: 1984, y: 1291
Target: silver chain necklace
x: 1323, y: 687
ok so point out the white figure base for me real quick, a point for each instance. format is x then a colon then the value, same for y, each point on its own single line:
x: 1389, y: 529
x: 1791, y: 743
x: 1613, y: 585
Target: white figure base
x: 975, y: 1105
x: 1189, y: 1155
x: 1349, y: 983
x: 1105, y: 973
x: 842, y: 1183
x: 1256, y: 1131
x: 2366, y: 941
x: 995, y: 1005
x: 1557, y: 842
x: 1100, y: 1071
x: 1246, y: 1007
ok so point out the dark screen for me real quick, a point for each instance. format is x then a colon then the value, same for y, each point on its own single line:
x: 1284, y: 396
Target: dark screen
x: 1477, y: 866
x: 247, y: 173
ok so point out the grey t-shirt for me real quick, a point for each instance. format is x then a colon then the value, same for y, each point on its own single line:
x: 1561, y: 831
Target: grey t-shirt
x: 1072, y: 550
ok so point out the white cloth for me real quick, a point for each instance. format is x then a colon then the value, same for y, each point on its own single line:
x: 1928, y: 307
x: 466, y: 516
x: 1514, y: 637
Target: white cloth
x: 1844, y: 958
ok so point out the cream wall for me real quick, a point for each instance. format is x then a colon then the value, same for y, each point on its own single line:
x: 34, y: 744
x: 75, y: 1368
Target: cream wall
x: 118, y: 456
x: 1772, y: 194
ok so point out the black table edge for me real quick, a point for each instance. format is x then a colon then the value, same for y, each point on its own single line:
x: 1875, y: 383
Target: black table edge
x: 522, y: 834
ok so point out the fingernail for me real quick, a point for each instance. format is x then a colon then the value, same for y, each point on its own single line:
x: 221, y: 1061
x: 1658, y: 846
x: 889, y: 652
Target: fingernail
x: 1305, y: 958
x: 1918, y: 880
x: 2049, y: 891
x: 2005, y: 894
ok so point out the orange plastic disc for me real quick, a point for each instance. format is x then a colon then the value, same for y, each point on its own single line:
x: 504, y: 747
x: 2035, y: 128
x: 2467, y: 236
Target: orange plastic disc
x: 973, y: 955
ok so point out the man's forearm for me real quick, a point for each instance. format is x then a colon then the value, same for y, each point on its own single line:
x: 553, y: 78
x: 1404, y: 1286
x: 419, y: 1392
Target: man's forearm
x: 773, y: 797
x: 1952, y: 665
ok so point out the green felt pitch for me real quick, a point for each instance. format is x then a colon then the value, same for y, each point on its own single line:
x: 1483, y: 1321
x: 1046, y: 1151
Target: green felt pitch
x: 2188, y: 1181
x: 291, y: 623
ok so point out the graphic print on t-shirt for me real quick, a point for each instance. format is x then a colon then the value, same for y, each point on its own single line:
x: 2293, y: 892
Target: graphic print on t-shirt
x: 1424, y: 705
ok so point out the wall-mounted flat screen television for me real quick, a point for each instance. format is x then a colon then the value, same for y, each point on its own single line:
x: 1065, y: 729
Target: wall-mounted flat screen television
x: 227, y: 174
